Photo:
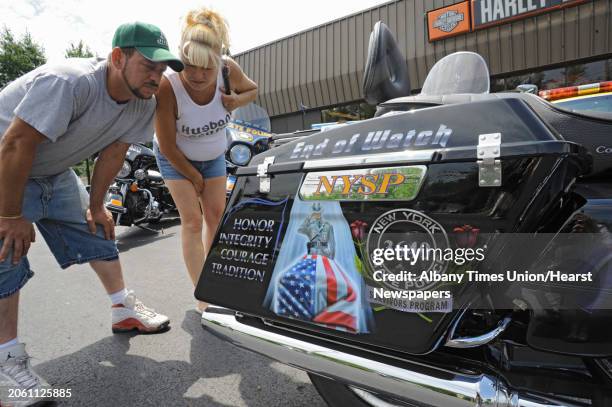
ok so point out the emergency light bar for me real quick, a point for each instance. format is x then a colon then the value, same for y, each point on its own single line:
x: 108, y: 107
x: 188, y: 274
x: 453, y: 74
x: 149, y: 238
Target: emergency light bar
x: 572, y: 91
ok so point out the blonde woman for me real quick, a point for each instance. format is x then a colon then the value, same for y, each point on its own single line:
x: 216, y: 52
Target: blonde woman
x: 193, y: 110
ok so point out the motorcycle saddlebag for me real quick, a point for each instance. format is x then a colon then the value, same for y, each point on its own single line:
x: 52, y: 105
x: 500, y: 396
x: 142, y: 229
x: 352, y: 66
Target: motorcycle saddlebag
x: 302, y: 237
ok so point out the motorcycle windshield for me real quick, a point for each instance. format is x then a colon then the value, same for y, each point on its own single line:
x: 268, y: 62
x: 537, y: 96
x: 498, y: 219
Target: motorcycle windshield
x: 460, y: 72
x: 252, y: 115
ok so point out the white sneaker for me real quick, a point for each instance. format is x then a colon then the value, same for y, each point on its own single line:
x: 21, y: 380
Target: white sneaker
x: 133, y: 315
x: 18, y: 383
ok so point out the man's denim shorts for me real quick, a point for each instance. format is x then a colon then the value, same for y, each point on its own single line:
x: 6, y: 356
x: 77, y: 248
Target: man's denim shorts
x: 58, y: 205
x: 209, y: 169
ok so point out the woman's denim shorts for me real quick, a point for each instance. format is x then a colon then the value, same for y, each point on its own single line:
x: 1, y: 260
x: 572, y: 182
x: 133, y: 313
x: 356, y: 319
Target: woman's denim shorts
x: 209, y: 169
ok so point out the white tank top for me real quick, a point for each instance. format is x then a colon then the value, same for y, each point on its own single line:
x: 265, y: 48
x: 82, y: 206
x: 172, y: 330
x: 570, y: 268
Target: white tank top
x: 200, y: 130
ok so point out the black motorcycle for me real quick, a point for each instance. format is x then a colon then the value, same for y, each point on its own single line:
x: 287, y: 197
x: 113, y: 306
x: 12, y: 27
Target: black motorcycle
x: 139, y: 195
x: 453, y: 251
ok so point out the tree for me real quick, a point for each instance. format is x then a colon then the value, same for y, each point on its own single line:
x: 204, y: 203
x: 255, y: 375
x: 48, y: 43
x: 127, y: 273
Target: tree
x: 18, y: 56
x: 79, y: 51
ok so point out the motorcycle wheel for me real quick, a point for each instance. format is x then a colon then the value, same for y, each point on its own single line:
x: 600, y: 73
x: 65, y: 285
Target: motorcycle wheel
x: 337, y: 394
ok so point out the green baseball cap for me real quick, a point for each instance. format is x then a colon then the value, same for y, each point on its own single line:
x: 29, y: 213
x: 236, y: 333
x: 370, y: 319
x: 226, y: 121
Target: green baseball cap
x: 149, y: 41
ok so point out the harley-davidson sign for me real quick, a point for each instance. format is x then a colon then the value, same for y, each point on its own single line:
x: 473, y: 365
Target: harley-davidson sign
x: 476, y: 14
x: 491, y: 12
x: 447, y: 21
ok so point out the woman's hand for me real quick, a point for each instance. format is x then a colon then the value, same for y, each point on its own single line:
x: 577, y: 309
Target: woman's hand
x: 244, y: 90
x: 198, y: 183
x: 231, y: 101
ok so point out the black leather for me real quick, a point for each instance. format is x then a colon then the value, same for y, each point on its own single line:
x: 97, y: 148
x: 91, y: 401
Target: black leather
x: 386, y: 73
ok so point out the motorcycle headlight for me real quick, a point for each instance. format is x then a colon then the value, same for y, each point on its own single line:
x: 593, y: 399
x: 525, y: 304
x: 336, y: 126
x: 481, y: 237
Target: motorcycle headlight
x: 240, y: 154
x: 125, y: 170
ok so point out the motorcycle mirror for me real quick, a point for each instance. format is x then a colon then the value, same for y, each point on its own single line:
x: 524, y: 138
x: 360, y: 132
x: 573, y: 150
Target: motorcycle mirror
x: 385, y: 74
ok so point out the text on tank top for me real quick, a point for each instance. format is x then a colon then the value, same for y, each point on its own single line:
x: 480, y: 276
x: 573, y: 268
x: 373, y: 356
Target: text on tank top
x: 200, y: 129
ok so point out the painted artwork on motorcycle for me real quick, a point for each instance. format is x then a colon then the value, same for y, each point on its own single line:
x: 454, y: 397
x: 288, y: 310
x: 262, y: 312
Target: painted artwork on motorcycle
x: 315, y: 278
x: 337, y: 199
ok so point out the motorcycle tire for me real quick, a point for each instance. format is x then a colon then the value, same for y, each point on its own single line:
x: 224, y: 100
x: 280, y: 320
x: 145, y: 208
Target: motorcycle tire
x: 336, y: 394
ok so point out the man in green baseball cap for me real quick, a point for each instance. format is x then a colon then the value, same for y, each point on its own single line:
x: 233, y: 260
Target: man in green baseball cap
x: 52, y: 118
x: 148, y: 40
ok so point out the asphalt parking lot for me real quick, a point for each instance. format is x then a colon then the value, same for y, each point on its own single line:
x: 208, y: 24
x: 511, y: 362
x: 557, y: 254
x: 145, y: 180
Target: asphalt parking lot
x: 65, y: 322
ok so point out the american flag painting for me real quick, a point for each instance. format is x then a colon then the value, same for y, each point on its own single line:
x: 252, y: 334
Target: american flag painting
x: 317, y: 289
x: 315, y: 277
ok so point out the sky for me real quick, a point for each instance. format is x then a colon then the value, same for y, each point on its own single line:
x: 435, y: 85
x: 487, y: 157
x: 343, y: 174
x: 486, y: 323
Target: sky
x: 55, y: 24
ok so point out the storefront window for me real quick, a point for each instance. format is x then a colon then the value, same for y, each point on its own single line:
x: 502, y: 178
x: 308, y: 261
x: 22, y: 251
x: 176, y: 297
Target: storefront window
x: 587, y: 73
x: 513, y: 81
x: 345, y: 113
x: 366, y: 111
x: 571, y: 75
x: 550, y: 79
x: 498, y: 85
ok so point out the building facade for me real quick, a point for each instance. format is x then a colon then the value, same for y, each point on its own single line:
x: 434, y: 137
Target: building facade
x: 316, y: 75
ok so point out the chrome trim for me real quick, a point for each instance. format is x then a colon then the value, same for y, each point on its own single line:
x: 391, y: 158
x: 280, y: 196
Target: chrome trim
x: 123, y: 191
x: 118, y: 210
x: 487, y: 153
x: 140, y: 174
x: 262, y: 174
x: 150, y: 209
x: 400, y: 157
x: 371, y: 399
x: 475, y: 341
x: 414, y: 382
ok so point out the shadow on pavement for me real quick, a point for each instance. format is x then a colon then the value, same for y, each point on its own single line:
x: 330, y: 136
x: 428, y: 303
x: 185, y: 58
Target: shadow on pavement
x: 135, y: 236
x: 107, y: 374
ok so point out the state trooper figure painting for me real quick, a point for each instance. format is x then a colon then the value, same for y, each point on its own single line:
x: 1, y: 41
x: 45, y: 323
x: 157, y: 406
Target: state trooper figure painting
x: 320, y: 233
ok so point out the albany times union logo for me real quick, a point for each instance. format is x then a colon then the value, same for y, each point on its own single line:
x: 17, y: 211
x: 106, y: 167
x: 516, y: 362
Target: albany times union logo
x: 448, y: 21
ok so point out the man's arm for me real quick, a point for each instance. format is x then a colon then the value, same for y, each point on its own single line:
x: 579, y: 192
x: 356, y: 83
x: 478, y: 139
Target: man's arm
x: 17, y: 151
x: 107, y: 166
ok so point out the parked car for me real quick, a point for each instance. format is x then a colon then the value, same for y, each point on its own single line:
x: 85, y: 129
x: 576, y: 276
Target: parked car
x: 315, y: 261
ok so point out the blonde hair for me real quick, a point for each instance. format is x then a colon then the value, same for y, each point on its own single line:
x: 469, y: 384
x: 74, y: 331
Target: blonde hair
x: 204, y: 37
